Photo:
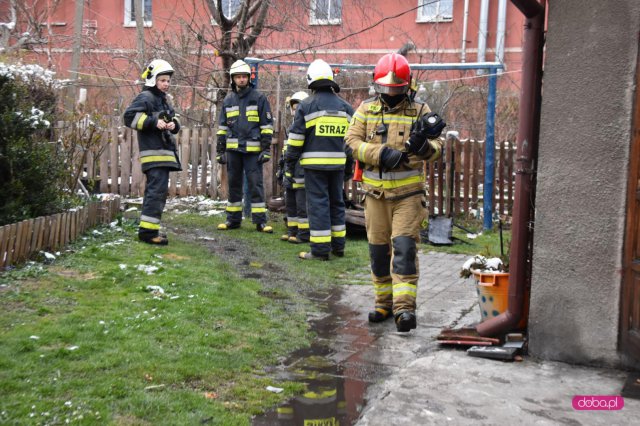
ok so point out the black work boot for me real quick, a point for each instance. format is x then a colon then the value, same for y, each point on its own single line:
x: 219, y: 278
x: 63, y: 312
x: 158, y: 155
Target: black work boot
x: 405, y: 321
x: 337, y: 253
x: 228, y: 225
x: 310, y: 256
x: 158, y: 240
x: 263, y: 227
x: 379, y: 314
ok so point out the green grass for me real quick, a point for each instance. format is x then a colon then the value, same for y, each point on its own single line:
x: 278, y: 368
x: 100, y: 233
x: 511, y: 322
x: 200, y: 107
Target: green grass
x: 84, y: 341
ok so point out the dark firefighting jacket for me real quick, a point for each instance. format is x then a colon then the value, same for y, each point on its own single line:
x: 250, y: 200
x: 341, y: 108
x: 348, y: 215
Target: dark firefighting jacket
x: 373, y: 127
x: 316, y: 137
x: 245, y: 123
x: 157, y: 147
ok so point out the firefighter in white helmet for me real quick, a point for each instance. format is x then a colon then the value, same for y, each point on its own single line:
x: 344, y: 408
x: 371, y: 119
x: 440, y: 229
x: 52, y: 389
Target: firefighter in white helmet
x: 245, y: 130
x: 392, y: 136
x: 154, y: 119
x: 295, y: 197
x: 316, y: 139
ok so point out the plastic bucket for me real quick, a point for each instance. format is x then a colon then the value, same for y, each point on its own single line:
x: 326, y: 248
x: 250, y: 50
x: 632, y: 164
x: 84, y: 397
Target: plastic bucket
x: 493, y: 295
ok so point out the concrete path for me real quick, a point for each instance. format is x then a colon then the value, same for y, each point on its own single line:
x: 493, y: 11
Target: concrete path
x: 432, y: 384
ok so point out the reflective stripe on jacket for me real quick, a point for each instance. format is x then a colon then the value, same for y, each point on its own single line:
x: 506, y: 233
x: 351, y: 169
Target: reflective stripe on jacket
x: 245, y: 123
x: 157, y: 147
x: 367, y: 136
x: 316, y: 137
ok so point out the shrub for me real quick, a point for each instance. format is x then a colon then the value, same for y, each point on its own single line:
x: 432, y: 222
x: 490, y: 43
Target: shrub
x: 31, y: 170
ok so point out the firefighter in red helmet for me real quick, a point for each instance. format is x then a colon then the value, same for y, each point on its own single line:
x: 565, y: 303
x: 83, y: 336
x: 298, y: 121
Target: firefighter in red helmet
x: 392, y: 136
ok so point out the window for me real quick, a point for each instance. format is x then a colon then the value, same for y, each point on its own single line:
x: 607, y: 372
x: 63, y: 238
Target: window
x: 130, y: 13
x: 326, y: 12
x: 435, y: 10
x: 230, y: 7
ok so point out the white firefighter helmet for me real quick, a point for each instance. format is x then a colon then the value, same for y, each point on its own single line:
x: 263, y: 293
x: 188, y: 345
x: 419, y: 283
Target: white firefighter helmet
x: 154, y: 69
x: 239, y: 67
x: 298, y: 97
x: 319, y: 75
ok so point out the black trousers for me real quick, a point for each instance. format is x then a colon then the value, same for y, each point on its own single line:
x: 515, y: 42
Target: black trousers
x: 325, y: 206
x: 154, y: 200
x: 239, y: 163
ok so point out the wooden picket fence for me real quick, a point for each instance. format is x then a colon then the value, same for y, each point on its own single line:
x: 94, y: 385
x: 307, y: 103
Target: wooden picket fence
x: 18, y: 241
x: 454, y: 182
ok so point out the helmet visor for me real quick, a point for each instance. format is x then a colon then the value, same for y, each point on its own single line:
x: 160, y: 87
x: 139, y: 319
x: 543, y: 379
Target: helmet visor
x: 390, y: 90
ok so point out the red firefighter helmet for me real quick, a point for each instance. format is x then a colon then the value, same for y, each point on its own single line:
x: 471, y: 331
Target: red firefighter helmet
x: 392, y: 75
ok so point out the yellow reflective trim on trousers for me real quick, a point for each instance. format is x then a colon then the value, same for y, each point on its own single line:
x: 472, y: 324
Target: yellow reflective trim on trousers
x: 382, y: 288
x: 233, y: 114
x: 307, y: 161
x: 320, y: 395
x: 303, y: 225
x: 294, y: 142
x: 405, y: 293
x: 149, y: 225
x: 221, y: 132
x: 252, y: 112
x: 258, y: 209
x: 253, y: 119
x: 298, y: 185
x: 234, y: 209
x: 140, y: 122
x: 402, y: 289
x: 338, y: 233
x: 389, y: 184
x: 158, y: 158
x: 320, y: 239
x: 266, y: 131
x: 253, y: 149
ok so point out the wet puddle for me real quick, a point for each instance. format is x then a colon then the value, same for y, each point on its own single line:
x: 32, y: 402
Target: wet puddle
x: 333, y: 369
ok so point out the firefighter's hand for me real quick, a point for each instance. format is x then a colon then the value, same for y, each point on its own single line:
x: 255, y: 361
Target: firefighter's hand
x: 161, y: 125
x: 391, y: 158
x: 170, y: 125
x: 429, y: 126
x: 221, y: 158
x: 263, y: 157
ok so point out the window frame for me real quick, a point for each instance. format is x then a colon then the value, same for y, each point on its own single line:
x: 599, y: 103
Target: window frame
x: 438, y: 16
x: 128, y: 6
x: 313, y: 20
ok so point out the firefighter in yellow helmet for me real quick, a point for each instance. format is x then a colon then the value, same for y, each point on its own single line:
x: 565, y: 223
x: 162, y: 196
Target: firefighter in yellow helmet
x: 245, y: 130
x: 392, y: 136
x: 295, y: 196
x: 154, y: 119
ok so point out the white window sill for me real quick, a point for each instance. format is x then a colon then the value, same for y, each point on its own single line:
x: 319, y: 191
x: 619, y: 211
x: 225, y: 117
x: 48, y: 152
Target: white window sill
x: 325, y: 22
x: 433, y: 20
x: 147, y: 24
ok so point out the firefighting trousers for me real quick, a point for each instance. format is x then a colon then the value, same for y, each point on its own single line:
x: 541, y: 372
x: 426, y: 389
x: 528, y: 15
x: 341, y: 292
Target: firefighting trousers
x: 153, y: 202
x: 238, y: 164
x: 393, y: 231
x: 325, y: 206
x: 296, y: 206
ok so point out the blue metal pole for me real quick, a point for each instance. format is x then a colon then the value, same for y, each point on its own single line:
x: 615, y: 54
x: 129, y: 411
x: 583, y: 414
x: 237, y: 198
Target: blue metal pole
x: 489, y: 154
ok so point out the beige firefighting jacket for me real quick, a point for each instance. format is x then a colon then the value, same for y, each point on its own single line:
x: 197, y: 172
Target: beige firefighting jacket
x: 367, y: 136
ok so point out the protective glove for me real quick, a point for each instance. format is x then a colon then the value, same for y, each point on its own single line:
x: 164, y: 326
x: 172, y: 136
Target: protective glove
x: 392, y: 158
x: 221, y: 158
x: 263, y: 157
x: 427, y: 127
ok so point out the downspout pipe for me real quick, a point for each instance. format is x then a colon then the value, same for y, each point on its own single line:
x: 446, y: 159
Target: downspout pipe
x: 526, y: 162
x: 483, y: 24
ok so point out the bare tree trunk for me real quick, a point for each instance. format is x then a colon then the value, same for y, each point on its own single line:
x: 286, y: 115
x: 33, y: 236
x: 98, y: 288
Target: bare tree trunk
x: 139, y: 10
x: 77, y: 52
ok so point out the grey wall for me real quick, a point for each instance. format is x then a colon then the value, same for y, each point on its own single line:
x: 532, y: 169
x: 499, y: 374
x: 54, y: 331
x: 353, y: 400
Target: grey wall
x: 588, y: 91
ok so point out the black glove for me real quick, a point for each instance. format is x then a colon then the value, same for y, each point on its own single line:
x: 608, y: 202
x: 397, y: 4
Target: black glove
x: 221, y: 158
x: 427, y: 127
x: 263, y: 157
x: 391, y: 158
